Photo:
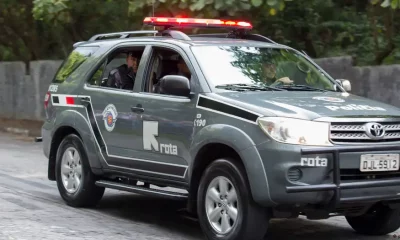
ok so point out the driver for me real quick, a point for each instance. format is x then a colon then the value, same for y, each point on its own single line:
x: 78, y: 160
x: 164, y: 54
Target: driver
x: 183, y: 70
x: 123, y: 77
x: 269, y: 75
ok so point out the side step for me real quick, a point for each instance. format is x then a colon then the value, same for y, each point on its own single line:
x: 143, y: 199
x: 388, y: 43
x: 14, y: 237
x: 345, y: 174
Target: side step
x: 142, y: 190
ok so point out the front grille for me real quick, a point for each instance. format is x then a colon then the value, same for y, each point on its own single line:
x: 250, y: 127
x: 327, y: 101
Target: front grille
x: 356, y: 133
x: 355, y: 174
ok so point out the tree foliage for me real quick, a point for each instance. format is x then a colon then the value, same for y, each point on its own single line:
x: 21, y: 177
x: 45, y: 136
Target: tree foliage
x: 209, y: 8
x: 394, y: 4
x: 367, y: 30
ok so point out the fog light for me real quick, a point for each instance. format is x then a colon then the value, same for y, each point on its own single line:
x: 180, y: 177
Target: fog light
x: 294, y: 174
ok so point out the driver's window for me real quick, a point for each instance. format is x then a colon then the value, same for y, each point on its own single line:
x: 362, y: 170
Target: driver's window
x: 165, y: 62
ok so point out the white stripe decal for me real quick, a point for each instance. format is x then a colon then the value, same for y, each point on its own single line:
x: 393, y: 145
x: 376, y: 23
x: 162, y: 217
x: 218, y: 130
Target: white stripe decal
x: 64, y: 100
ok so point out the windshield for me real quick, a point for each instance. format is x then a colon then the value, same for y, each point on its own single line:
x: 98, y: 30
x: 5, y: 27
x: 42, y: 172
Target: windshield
x: 274, y: 67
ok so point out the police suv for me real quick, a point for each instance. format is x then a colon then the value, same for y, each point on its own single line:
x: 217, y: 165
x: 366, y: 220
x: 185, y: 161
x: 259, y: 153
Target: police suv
x: 244, y: 128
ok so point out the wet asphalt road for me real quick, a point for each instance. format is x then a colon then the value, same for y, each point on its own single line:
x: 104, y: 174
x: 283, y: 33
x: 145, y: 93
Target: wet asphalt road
x: 31, y: 208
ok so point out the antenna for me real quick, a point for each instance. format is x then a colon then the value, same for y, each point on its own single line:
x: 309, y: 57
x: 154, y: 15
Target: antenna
x: 153, y: 8
x: 154, y: 27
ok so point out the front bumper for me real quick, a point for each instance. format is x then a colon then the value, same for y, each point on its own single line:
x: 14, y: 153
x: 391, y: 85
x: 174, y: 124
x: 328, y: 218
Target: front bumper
x: 338, y: 187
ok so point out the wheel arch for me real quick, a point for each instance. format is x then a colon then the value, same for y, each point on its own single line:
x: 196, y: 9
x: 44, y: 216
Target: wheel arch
x: 227, y: 142
x: 81, y: 128
x: 60, y: 133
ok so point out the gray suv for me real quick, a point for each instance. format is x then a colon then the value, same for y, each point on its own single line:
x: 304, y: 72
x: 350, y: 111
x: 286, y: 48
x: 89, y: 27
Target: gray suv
x: 240, y: 127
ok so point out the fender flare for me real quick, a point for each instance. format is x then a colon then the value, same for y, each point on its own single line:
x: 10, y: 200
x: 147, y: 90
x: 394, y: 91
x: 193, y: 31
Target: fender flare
x: 82, y: 127
x: 238, y: 140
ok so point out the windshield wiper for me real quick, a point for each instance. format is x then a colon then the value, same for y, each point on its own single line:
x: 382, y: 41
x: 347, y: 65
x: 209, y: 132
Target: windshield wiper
x: 250, y: 87
x: 301, y: 88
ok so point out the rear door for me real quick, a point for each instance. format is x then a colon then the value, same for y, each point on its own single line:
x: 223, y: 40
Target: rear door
x: 110, y: 109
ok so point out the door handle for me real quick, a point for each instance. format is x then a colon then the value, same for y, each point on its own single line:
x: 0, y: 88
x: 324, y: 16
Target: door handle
x: 137, y: 109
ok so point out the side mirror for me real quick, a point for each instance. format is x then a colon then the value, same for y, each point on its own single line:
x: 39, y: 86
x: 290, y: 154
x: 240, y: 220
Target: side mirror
x: 345, y: 84
x: 174, y: 85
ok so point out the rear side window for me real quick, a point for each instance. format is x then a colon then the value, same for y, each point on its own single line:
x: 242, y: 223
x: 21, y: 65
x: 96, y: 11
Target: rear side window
x: 73, y: 61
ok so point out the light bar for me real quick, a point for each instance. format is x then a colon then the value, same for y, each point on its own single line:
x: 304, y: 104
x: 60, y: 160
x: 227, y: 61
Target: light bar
x: 196, y: 22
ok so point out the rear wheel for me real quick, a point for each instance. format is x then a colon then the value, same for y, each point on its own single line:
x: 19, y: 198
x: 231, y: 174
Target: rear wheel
x: 225, y: 206
x: 380, y: 220
x: 75, y: 180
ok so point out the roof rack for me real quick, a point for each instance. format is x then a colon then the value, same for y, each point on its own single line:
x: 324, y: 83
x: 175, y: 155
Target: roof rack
x: 121, y: 34
x: 176, y: 34
x: 173, y: 33
x: 77, y: 44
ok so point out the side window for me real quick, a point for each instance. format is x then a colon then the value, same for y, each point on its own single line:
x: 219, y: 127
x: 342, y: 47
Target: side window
x: 164, y: 62
x: 78, y: 56
x: 119, y: 69
x: 97, y: 77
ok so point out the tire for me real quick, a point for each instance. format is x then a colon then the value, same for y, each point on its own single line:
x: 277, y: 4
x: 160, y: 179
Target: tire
x: 83, y: 193
x: 251, y: 219
x: 380, y: 220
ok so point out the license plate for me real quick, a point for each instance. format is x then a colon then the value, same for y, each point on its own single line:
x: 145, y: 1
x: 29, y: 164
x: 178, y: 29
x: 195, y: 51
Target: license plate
x: 379, y: 162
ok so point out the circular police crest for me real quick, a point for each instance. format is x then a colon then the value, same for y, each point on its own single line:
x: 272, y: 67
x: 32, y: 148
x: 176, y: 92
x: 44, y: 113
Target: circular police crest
x: 110, y: 115
x: 329, y: 99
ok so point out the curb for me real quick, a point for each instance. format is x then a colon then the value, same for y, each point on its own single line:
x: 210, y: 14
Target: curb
x: 18, y: 131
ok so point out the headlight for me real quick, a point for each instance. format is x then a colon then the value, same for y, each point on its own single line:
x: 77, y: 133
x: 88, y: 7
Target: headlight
x: 296, y: 131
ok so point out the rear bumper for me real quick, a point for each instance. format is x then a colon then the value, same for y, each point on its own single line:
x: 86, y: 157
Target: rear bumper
x: 46, y: 140
x: 340, y: 190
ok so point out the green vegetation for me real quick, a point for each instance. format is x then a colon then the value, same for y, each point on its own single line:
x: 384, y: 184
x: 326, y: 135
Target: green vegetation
x: 367, y: 30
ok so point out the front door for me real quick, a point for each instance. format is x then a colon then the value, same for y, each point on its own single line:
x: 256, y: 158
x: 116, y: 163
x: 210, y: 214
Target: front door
x: 167, y: 131
x: 167, y: 122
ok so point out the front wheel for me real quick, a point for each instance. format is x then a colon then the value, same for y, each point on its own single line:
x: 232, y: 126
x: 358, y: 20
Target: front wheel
x: 225, y: 206
x: 379, y: 220
x: 75, y: 180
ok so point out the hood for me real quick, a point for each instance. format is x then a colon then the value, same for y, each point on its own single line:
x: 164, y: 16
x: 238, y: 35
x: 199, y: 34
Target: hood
x: 309, y: 105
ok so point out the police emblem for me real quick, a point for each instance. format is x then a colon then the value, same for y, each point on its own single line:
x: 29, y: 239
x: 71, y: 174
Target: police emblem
x: 110, y: 115
x: 329, y: 99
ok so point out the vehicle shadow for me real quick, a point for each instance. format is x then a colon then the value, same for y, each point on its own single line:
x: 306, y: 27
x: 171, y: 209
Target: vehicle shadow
x: 163, y: 214
x: 303, y: 229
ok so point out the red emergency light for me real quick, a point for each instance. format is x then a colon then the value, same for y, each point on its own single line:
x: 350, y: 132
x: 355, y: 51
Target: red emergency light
x: 196, y: 22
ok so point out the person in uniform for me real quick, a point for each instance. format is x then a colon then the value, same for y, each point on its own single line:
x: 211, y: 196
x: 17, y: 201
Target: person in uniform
x: 123, y: 77
x: 269, y: 75
x: 183, y: 71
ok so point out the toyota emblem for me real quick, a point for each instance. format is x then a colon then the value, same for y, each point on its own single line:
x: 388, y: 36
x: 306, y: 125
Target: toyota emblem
x: 375, y: 130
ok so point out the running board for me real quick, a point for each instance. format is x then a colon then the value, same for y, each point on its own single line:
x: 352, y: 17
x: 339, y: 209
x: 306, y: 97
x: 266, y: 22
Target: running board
x: 142, y: 190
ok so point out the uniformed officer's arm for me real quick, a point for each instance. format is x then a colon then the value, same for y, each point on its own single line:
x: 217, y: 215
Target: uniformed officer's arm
x: 113, y: 79
x: 285, y: 80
